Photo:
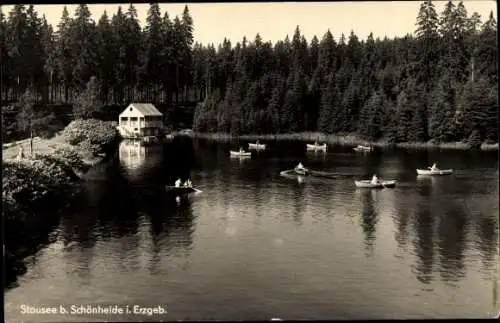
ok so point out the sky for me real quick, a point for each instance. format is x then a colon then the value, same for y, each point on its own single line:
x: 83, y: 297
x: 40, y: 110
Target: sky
x: 273, y: 21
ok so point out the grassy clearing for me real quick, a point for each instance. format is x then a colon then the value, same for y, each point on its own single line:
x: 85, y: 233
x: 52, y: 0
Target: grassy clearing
x: 340, y: 140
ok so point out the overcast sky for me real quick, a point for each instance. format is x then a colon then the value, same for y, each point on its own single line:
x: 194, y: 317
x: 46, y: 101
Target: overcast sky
x: 213, y: 22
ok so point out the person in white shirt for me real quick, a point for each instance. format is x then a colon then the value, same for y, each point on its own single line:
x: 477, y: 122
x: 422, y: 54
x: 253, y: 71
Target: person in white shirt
x: 434, y: 167
x: 178, y: 182
x: 374, y: 180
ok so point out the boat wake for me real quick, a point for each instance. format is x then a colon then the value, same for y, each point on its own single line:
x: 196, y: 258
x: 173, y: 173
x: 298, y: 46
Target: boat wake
x: 316, y: 173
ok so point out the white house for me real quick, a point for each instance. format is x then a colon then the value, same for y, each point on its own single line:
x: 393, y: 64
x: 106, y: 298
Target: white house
x: 141, y: 119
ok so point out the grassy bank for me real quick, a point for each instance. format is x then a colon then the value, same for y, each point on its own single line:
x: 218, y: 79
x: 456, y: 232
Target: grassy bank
x: 38, y: 184
x: 341, y: 140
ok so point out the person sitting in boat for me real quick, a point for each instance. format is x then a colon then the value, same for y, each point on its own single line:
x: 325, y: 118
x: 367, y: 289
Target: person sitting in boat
x: 300, y: 167
x: 241, y: 150
x: 374, y: 180
x: 189, y: 183
x: 434, y: 167
x: 178, y: 182
x: 257, y: 142
x: 316, y: 143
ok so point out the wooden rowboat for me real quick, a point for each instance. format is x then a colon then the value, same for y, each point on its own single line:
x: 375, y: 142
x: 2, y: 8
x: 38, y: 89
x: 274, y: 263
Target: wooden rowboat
x: 436, y: 172
x: 316, y: 147
x: 369, y: 184
x: 240, y: 154
x: 180, y: 190
x: 363, y: 148
x: 257, y: 146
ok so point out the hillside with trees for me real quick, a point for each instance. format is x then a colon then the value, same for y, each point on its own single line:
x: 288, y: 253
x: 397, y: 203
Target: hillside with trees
x: 438, y: 83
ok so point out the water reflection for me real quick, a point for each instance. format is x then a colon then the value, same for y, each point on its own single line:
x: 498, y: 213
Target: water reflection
x: 136, y: 159
x: 401, y: 220
x: 369, y: 219
x: 487, y: 232
x: 423, y: 243
x: 127, y: 234
x: 452, y: 235
x: 132, y: 154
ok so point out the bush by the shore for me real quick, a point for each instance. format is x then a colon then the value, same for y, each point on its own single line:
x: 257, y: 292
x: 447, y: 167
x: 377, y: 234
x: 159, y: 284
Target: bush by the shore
x: 36, y: 186
x: 27, y: 180
x: 90, y: 134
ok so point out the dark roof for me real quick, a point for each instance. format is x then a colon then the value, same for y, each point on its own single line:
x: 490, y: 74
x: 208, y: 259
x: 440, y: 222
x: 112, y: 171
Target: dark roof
x: 147, y: 109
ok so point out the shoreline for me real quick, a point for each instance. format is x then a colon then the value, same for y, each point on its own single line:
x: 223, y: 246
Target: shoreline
x: 39, y: 186
x: 339, y: 140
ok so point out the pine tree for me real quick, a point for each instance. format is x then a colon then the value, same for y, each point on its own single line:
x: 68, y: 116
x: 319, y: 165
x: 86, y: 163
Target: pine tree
x: 88, y: 102
x: 83, y: 42
x: 106, y: 55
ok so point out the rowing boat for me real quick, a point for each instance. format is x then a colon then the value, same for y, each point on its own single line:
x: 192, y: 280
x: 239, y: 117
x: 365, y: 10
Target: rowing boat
x: 257, y: 146
x: 434, y: 172
x: 180, y: 190
x: 369, y: 184
x: 316, y: 147
x: 302, y: 172
x: 308, y: 172
x: 240, y: 154
x: 363, y: 148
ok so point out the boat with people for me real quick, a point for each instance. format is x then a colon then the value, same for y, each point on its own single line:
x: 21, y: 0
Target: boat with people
x: 375, y: 183
x: 181, y: 188
x: 316, y: 147
x: 434, y: 171
x: 363, y: 148
x: 300, y: 170
x: 369, y: 184
x: 257, y: 146
x: 240, y: 153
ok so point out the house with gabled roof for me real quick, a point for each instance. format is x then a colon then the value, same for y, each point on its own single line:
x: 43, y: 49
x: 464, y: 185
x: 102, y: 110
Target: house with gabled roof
x: 141, y: 120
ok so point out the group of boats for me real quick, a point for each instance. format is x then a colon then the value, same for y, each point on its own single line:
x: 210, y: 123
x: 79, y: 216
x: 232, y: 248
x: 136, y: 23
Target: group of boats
x: 301, y: 171
x: 257, y: 146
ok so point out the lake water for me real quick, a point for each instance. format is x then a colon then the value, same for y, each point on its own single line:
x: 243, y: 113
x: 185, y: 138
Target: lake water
x: 257, y: 245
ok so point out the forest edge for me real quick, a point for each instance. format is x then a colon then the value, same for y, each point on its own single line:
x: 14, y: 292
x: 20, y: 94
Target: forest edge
x: 341, y: 140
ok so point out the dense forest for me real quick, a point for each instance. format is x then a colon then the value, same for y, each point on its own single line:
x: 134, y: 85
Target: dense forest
x: 438, y: 83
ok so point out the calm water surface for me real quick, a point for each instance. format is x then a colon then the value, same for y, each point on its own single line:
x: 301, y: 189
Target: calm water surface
x: 257, y: 245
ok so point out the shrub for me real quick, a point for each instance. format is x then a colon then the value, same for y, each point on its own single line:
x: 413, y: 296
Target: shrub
x: 70, y: 156
x: 27, y: 181
x: 90, y: 133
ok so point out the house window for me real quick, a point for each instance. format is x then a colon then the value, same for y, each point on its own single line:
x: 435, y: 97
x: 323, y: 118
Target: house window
x: 130, y: 109
x: 123, y: 118
x: 133, y: 118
